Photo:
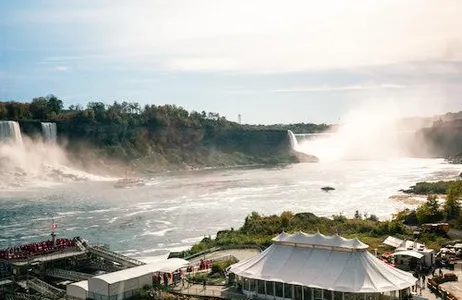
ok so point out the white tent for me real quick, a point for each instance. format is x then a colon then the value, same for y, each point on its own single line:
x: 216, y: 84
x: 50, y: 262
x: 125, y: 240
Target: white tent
x: 393, y: 242
x: 324, y: 262
x: 409, y: 253
x: 128, y: 282
x: 77, y: 290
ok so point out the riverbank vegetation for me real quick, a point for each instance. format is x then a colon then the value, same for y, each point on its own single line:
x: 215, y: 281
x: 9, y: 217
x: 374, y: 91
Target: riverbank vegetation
x: 435, y: 209
x: 160, y: 135
x: 431, y: 188
x: 259, y: 230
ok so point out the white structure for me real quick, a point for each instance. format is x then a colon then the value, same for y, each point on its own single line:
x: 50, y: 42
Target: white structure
x: 77, y: 290
x: 411, y: 249
x: 304, y: 267
x: 126, y: 283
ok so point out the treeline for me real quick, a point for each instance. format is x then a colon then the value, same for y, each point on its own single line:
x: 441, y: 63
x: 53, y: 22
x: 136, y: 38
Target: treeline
x: 295, y: 128
x: 259, y: 230
x: 428, y: 188
x: 433, y: 210
x: 41, y: 109
x: 165, y: 134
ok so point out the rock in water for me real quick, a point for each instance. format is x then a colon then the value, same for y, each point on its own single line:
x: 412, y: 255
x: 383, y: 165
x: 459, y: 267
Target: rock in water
x: 327, y: 188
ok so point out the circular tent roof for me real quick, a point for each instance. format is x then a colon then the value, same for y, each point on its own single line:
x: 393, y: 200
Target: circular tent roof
x: 325, y: 262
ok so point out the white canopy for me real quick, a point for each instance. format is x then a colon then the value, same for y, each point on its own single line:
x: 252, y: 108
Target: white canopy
x: 409, y: 253
x: 125, y: 282
x: 393, y: 242
x: 319, y: 240
x: 325, y: 262
x: 167, y: 265
x: 458, y: 246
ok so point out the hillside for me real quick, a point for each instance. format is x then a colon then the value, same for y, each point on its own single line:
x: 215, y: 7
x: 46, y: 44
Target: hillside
x: 444, y: 138
x: 155, y: 136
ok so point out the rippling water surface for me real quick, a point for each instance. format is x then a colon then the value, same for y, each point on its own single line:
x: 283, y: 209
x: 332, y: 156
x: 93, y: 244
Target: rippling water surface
x: 173, y: 211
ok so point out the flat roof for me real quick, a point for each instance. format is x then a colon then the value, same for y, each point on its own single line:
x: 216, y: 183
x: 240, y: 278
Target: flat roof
x: 167, y: 265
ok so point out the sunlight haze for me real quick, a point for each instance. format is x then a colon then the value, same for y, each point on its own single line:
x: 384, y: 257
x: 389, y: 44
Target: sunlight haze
x: 302, y: 61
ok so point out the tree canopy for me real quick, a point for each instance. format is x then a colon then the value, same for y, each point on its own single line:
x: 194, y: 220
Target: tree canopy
x: 164, y: 133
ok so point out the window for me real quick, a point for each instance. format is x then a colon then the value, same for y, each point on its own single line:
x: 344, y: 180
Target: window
x: 307, y: 292
x: 278, y: 289
x: 288, y: 291
x: 261, y: 287
x: 372, y: 296
x: 253, y: 285
x: 245, y: 285
x: 359, y: 296
x: 269, y: 288
x: 338, y: 296
x: 298, y: 290
x: 327, y: 295
x: 349, y: 296
x: 317, y: 294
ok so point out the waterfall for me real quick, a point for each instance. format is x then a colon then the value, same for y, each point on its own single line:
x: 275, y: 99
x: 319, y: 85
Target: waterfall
x: 49, y: 132
x: 293, y: 140
x: 10, y: 131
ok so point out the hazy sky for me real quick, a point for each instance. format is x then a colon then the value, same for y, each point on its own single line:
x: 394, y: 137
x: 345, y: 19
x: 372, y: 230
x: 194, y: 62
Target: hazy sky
x: 271, y: 61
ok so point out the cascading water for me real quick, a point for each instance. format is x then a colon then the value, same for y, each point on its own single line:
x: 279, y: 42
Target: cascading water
x: 49, y: 132
x: 31, y: 162
x: 293, y: 140
x: 10, y: 132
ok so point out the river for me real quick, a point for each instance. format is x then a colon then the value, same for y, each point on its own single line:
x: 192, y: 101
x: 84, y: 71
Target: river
x: 175, y: 210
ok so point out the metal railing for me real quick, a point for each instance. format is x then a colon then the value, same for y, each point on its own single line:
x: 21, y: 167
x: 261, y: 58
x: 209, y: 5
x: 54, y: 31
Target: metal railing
x: 44, y: 288
x: 115, y: 257
x: 201, y: 292
x: 22, y: 296
x: 105, y: 266
x: 79, y: 244
x: 226, y: 247
x: 67, y: 274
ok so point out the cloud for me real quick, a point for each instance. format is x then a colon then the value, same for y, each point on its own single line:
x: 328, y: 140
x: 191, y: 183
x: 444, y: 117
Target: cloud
x: 324, y: 89
x: 339, y: 88
x: 267, y: 36
x: 202, y: 64
x: 61, y: 68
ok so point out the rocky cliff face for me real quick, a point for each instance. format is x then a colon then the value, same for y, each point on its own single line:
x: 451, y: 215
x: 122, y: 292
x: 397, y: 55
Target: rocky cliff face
x: 442, y: 140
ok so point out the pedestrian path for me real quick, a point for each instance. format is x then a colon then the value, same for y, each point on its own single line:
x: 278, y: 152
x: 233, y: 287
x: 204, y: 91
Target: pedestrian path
x: 224, y: 292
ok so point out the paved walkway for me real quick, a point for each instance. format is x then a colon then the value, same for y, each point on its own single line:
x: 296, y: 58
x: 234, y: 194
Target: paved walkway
x: 209, y: 291
x: 454, y: 287
x: 240, y: 254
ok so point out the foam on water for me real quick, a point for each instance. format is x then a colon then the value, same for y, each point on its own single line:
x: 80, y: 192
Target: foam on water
x: 177, y: 218
x: 159, y: 232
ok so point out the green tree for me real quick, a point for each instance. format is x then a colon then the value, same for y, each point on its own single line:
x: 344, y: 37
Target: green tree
x: 53, y: 104
x: 286, y: 217
x: 451, y: 206
x: 429, y: 211
x: 38, y: 108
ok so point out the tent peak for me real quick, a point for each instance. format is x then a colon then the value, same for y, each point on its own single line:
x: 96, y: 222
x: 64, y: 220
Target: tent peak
x: 319, y: 240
